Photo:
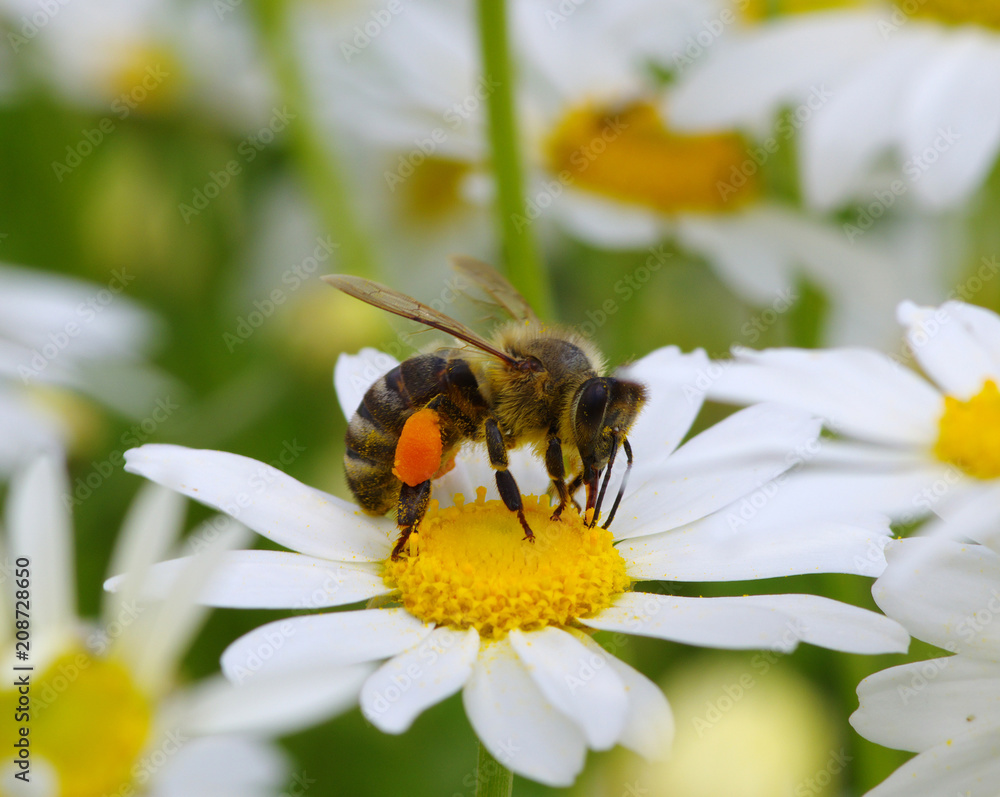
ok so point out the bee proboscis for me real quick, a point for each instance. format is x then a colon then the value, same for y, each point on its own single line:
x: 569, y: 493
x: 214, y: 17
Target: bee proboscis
x: 531, y: 384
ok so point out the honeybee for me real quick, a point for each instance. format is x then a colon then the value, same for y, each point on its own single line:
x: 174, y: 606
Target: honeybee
x: 532, y: 384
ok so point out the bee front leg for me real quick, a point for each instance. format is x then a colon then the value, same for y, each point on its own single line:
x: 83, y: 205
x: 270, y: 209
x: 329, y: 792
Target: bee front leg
x: 412, y: 507
x: 557, y: 472
x: 509, y: 492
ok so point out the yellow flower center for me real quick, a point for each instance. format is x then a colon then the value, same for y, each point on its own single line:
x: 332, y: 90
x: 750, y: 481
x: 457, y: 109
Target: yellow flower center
x: 969, y: 433
x: 469, y: 567
x: 757, y: 10
x: 148, y: 79
x: 87, y: 720
x: 630, y: 155
x: 431, y: 187
x: 957, y: 12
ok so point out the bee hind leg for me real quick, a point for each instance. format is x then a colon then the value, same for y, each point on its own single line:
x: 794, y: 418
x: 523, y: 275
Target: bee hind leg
x: 506, y: 486
x: 412, y: 507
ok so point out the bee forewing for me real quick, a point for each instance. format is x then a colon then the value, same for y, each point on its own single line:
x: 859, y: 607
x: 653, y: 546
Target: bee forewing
x: 406, y: 306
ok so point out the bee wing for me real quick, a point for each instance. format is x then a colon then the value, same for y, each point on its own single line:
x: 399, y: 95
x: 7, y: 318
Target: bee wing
x: 406, y: 306
x: 496, y: 285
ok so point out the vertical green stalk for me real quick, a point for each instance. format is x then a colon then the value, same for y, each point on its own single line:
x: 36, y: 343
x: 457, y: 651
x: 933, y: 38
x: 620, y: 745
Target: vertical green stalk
x: 317, y: 163
x: 524, y: 266
x: 493, y: 779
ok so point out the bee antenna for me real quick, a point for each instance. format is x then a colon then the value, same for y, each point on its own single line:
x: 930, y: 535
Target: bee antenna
x: 604, y: 487
x: 621, y: 489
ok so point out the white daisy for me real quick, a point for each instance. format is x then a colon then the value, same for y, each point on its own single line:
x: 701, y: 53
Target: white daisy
x: 63, y: 333
x: 945, y: 709
x: 910, y: 446
x: 923, y: 88
x: 475, y: 609
x: 131, y: 56
x: 105, y: 715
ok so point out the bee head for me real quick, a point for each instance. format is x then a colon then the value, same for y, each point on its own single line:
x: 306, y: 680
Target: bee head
x: 604, y: 410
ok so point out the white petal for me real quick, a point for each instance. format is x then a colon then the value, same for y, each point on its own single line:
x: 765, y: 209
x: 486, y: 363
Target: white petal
x: 272, y: 580
x: 606, y: 223
x: 945, y: 593
x: 512, y: 718
x: 154, y: 521
x: 969, y: 766
x: 835, y: 625
x: 334, y: 639
x: 702, y: 553
x: 649, y: 722
x: 402, y: 688
x: 859, y: 392
x: 919, y: 705
x: 40, y: 530
x: 267, y: 501
x: 163, y: 630
x: 859, y: 122
x: 707, y: 622
x: 966, y: 508
x: 220, y: 766
x: 355, y: 373
x: 774, y: 64
x: 273, y: 705
x: 953, y: 344
x: 577, y: 681
x: 472, y: 470
x: 743, y: 250
x: 951, y: 121
x: 673, y: 401
x: 723, y: 463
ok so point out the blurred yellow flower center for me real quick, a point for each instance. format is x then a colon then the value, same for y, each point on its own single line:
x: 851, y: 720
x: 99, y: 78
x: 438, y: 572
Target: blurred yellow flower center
x: 433, y: 188
x: 969, y: 433
x: 977, y: 12
x: 630, y: 155
x: 147, y: 79
x: 757, y: 10
x: 469, y: 567
x: 88, y: 721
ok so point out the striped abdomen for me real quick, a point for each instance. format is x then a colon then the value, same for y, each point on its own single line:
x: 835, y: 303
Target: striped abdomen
x: 375, y: 429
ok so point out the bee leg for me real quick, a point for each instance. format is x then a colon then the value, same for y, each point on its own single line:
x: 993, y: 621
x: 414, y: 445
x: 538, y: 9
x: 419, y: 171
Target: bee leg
x: 507, y: 487
x: 413, y: 503
x: 557, y: 472
x: 575, y: 485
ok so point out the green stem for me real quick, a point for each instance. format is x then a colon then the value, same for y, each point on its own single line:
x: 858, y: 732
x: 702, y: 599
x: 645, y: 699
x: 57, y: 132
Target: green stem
x: 493, y: 779
x: 524, y: 266
x: 317, y: 162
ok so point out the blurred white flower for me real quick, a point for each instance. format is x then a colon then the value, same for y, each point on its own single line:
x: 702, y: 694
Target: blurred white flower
x: 921, y: 88
x: 105, y: 712
x: 946, y: 709
x: 605, y: 163
x: 139, y: 56
x: 910, y: 447
x: 62, y: 333
x: 475, y: 609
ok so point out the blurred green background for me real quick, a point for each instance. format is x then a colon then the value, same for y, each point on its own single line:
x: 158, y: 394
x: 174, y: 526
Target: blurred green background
x: 253, y: 376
